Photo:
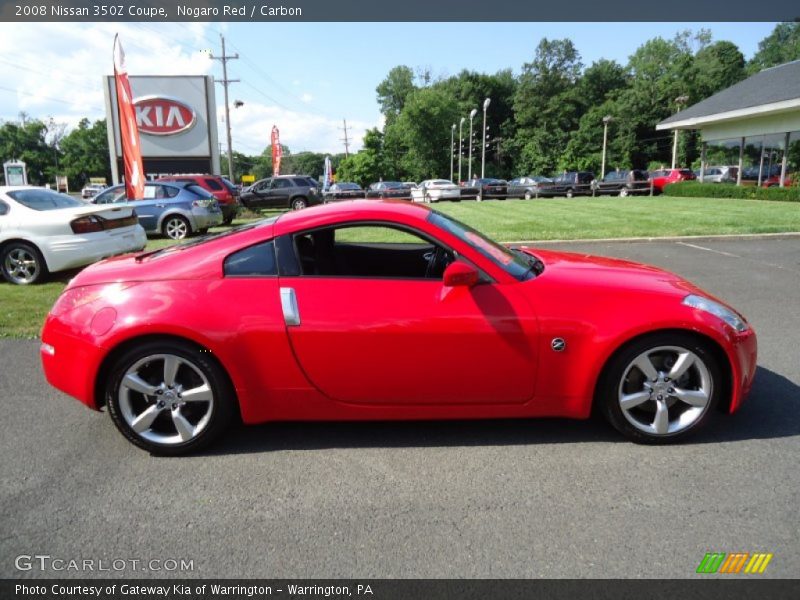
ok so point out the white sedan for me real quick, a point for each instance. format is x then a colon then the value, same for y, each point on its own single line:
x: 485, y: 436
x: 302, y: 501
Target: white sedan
x: 42, y: 231
x: 434, y: 190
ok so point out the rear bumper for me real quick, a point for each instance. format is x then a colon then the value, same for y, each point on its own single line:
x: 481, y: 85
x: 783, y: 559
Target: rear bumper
x: 71, y: 251
x: 204, y: 219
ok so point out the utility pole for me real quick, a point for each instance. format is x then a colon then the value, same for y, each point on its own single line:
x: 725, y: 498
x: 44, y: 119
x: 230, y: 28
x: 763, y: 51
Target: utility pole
x: 345, y: 139
x: 225, y: 81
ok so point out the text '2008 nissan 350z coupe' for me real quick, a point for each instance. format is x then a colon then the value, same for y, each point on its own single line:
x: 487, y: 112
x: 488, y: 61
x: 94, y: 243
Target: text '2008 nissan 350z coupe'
x: 388, y: 310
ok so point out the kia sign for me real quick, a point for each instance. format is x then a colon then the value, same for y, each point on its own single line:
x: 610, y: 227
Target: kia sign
x: 160, y: 115
x: 177, y: 121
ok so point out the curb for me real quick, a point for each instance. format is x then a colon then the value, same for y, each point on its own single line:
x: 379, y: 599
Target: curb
x: 727, y: 237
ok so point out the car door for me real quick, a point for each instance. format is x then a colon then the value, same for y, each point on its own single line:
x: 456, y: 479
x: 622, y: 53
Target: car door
x: 260, y: 193
x: 279, y: 192
x: 364, y: 337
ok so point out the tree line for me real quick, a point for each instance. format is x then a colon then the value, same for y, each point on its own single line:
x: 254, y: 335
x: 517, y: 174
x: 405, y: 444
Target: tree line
x: 544, y: 120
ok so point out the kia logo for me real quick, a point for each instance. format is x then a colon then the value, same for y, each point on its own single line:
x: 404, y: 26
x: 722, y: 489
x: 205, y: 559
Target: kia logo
x: 161, y: 115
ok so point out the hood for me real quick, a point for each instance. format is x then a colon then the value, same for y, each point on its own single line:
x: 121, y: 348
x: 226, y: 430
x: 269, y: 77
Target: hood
x: 587, y: 270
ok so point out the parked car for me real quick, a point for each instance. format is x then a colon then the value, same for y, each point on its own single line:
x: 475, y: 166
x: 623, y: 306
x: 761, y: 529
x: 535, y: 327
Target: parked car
x: 489, y: 187
x: 283, y: 191
x: 469, y: 189
x: 526, y: 187
x: 42, y: 231
x: 775, y: 181
x: 388, y: 189
x: 410, y: 184
x: 569, y: 184
x: 436, y: 190
x: 719, y: 175
x: 91, y: 190
x: 664, y: 177
x: 224, y: 191
x: 343, y: 191
x: 173, y: 209
x: 767, y: 171
x: 623, y: 183
x: 338, y: 305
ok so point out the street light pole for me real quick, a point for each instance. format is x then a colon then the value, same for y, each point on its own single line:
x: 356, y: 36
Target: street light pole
x: 483, y: 137
x: 452, y: 149
x: 606, y: 120
x: 678, y: 102
x: 460, y: 125
x: 472, y: 114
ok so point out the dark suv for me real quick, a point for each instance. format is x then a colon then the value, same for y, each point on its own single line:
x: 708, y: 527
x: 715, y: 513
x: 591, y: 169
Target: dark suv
x: 222, y: 189
x: 282, y: 191
x: 569, y: 184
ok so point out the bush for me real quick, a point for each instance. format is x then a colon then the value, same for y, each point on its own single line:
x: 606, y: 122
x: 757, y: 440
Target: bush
x: 694, y: 189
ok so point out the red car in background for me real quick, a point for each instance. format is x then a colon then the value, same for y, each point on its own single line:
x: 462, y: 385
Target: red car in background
x: 775, y: 181
x: 664, y: 177
x: 388, y: 310
x: 223, y: 190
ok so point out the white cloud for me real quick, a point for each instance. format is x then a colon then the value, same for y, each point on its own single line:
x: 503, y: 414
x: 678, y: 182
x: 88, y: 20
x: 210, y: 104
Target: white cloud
x: 306, y: 97
x: 251, y: 126
x: 62, y: 71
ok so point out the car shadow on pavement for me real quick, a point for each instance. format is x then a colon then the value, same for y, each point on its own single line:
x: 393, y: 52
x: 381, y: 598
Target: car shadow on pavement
x: 771, y: 411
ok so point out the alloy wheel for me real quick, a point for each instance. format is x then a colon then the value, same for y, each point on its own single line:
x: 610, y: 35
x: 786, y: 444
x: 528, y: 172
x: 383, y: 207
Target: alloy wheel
x: 21, y: 265
x: 176, y: 228
x: 665, y: 390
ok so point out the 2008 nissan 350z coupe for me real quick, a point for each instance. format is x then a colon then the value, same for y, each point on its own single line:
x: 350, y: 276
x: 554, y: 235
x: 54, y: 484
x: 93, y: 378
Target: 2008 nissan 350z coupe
x: 388, y: 310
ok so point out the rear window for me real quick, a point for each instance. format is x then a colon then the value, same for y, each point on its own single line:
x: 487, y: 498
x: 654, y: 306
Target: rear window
x: 258, y: 260
x: 196, y: 189
x: 41, y: 199
x: 214, y: 184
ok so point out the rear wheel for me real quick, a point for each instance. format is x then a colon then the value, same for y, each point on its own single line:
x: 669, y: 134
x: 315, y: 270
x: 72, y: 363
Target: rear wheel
x: 570, y: 193
x: 661, y: 388
x: 299, y: 203
x: 623, y: 193
x: 176, y: 227
x: 528, y: 195
x: 169, y: 398
x: 22, y: 263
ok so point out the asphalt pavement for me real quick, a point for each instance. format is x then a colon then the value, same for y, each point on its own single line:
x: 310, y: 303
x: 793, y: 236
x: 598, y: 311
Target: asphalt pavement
x: 528, y: 498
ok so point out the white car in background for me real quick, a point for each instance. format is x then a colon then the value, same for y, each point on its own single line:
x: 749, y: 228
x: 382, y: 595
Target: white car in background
x: 42, y: 231
x: 435, y: 190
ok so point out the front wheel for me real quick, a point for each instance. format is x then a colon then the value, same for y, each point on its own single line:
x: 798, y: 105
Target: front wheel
x: 22, y: 263
x: 623, y: 193
x: 570, y: 193
x: 528, y: 195
x: 168, y: 398
x: 176, y: 227
x: 661, y: 388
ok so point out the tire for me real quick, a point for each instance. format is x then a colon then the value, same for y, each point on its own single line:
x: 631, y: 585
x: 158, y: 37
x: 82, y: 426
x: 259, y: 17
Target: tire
x: 624, y: 193
x: 148, y: 404
x: 299, y: 203
x: 203, y: 231
x: 227, y: 220
x: 479, y: 198
x: 176, y: 227
x: 570, y: 194
x: 673, y: 401
x: 22, y: 263
x: 528, y: 195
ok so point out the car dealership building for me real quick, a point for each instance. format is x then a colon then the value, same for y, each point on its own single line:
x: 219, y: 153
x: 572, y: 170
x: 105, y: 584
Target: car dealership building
x: 754, y: 124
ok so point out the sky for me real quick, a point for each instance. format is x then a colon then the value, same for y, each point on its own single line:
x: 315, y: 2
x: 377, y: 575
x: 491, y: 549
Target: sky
x: 306, y: 78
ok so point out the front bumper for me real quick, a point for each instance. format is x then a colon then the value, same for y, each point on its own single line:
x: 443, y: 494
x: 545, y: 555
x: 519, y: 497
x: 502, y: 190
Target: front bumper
x: 743, y: 355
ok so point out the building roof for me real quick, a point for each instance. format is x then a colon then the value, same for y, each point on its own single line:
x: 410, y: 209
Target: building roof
x: 772, y: 90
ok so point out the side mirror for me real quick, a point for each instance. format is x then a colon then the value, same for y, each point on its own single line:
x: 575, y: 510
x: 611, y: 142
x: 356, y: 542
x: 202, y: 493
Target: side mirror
x: 460, y: 274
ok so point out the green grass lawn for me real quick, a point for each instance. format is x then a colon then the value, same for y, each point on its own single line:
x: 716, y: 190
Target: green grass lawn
x: 23, y: 308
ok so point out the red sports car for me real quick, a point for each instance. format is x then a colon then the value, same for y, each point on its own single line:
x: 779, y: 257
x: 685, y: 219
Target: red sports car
x: 388, y: 310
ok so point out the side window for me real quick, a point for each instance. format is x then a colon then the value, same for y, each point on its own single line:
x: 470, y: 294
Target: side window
x: 370, y: 250
x: 213, y: 184
x: 281, y: 184
x: 170, y: 191
x: 255, y: 261
x: 3, y: 208
x: 106, y: 197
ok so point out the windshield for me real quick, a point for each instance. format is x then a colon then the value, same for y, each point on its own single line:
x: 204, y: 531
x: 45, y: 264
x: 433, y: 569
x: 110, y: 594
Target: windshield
x: 515, y: 264
x: 42, y: 199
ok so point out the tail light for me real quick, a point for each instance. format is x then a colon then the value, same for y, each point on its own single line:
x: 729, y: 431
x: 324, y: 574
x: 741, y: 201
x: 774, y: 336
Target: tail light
x: 88, y: 224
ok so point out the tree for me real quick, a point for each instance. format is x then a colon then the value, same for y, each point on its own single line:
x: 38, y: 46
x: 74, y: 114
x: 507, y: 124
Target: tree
x: 781, y: 46
x: 716, y: 67
x: 394, y: 91
x: 26, y: 141
x: 85, y: 153
x: 368, y: 165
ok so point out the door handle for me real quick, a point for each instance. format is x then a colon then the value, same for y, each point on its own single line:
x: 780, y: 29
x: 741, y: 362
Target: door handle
x: 291, y: 314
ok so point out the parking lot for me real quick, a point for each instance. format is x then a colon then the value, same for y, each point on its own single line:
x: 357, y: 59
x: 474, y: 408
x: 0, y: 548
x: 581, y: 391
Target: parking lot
x: 546, y: 498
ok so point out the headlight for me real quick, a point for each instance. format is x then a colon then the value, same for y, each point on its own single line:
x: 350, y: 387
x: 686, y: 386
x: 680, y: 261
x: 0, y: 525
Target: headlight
x: 718, y: 310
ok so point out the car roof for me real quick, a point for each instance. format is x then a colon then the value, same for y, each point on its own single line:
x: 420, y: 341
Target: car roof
x: 323, y: 214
